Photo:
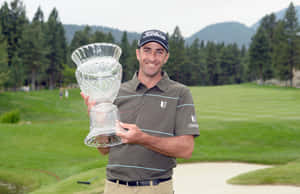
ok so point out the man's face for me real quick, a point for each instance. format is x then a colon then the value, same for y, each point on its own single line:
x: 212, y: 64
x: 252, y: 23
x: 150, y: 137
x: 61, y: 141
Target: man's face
x: 151, y: 57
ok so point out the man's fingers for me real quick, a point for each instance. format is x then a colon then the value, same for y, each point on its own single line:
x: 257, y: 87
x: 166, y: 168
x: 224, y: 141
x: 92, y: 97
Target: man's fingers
x: 82, y: 95
x: 122, y: 134
x: 88, y: 102
x: 127, y: 126
x: 85, y: 98
x: 121, y: 131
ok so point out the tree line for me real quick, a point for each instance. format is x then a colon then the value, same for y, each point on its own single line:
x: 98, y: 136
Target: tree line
x: 275, y: 48
x: 36, y: 52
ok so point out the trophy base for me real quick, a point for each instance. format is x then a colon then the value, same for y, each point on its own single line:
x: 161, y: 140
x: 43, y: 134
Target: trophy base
x: 102, y: 140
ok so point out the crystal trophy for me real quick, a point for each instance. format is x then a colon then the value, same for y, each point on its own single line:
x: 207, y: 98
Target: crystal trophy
x: 99, y: 76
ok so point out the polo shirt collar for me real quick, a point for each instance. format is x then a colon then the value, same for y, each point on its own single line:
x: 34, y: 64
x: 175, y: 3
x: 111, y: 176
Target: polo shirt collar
x: 162, y: 84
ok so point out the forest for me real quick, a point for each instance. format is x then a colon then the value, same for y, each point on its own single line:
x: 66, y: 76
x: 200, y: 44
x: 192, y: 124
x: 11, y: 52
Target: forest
x: 36, y: 53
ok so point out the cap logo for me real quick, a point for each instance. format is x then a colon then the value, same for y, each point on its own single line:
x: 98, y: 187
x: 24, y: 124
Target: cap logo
x: 153, y: 33
x: 193, y: 117
x: 154, y: 36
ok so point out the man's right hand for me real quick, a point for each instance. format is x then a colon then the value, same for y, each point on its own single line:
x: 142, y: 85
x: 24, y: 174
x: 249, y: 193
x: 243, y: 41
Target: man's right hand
x: 89, y: 103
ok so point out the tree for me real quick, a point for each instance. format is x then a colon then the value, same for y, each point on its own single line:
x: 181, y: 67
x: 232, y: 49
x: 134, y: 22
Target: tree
x: 34, y: 49
x: 177, y: 57
x: 57, y: 49
x: 198, y: 68
x: 68, y: 75
x: 291, y: 29
x: 110, y: 38
x: 213, y: 69
x: 269, y: 25
x: 98, y: 36
x: 4, y: 71
x: 133, y: 64
x: 259, y: 53
x: 125, y: 46
x: 280, y: 52
x: 13, y: 22
x: 5, y: 20
x: 227, y: 63
x: 240, y: 67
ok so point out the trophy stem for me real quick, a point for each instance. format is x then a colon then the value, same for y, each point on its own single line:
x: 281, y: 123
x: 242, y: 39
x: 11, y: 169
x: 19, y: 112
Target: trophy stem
x: 103, y: 126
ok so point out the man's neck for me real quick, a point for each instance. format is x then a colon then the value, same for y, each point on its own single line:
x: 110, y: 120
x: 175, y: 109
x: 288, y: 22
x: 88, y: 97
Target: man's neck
x: 149, y: 82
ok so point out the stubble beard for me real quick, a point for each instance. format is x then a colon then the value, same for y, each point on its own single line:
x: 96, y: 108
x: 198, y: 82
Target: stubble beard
x: 152, y: 74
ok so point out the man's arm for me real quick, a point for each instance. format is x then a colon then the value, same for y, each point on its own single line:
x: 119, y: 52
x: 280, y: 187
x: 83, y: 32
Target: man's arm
x: 178, y: 147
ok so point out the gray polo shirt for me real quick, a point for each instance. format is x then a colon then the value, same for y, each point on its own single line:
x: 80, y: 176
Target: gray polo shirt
x: 165, y: 110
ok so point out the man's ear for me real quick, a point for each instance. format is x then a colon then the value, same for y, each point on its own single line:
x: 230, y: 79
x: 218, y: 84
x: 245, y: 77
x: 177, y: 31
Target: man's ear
x: 137, y: 52
x: 167, y: 57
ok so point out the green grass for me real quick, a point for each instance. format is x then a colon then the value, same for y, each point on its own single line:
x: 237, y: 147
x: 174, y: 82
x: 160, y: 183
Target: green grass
x: 243, y: 123
x: 288, y: 174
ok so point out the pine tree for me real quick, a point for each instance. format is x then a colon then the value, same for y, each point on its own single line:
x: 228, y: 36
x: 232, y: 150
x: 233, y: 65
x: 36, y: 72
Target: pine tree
x: 110, y: 38
x: 227, y: 63
x: 133, y: 64
x: 5, y: 20
x: 13, y: 22
x: 259, y: 53
x: 280, y: 52
x: 244, y: 64
x: 211, y: 60
x: 198, y: 70
x: 57, y: 49
x: 237, y: 65
x: 177, y: 59
x: 269, y: 25
x: 291, y: 30
x: 33, y: 48
x: 4, y: 71
x: 125, y: 46
x: 98, y: 36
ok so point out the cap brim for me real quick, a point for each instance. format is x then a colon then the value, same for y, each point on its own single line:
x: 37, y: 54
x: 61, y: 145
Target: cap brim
x: 154, y: 40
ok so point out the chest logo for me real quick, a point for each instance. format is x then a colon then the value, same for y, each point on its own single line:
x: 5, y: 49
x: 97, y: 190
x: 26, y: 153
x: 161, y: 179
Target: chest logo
x: 163, y: 104
x: 193, y: 117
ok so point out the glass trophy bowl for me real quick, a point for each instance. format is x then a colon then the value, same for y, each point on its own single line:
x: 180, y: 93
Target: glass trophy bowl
x: 99, y: 76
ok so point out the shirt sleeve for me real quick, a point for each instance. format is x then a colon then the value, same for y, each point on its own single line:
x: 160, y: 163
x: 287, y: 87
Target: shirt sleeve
x: 186, y: 120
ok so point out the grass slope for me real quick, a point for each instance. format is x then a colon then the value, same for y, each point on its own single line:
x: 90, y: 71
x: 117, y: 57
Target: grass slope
x: 245, y: 123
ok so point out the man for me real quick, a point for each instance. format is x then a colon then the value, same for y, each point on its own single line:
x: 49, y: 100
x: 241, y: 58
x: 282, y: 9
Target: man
x: 159, y: 117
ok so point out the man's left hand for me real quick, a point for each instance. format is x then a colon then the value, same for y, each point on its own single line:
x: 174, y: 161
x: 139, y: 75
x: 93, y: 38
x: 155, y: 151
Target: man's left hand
x: 129, y: 133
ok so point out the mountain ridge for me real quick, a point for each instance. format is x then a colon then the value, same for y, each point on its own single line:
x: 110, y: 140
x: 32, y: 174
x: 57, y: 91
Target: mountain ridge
x: 227, y: 32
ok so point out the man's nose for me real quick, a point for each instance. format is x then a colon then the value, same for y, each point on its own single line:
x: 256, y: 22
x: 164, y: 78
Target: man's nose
x: 152, y: 56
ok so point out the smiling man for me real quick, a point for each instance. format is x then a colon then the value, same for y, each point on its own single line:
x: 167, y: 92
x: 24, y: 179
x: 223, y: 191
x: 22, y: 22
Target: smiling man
x: 159, y: 124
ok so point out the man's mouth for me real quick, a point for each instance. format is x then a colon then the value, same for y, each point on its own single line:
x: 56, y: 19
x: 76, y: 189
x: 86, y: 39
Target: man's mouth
x: 151, y: 65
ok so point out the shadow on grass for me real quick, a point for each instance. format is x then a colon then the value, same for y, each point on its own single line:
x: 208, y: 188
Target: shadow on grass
x: 70, y: 185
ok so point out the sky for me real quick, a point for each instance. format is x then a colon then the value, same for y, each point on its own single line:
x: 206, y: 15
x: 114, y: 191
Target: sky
x: 138, y: 15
